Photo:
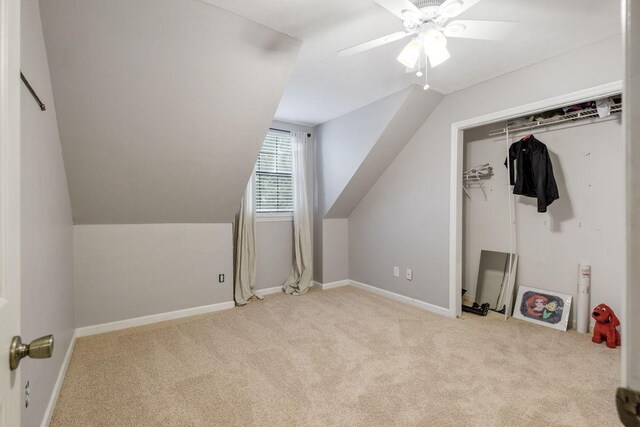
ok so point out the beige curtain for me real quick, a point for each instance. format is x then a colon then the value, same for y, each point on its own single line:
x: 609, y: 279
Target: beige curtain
x: 244, y: 254
x: 300, y: 277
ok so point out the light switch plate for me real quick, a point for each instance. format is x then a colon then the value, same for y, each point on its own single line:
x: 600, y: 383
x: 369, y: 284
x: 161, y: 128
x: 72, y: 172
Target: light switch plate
x: 409, y: 274
x: 396, y: 271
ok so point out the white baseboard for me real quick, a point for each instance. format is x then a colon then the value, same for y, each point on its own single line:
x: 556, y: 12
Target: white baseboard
x: 268, y: 291
x: 153, y: 318
x: 278, y: 289
x: 331, y: 285
x: 401, y: 298
x: 48, y: 413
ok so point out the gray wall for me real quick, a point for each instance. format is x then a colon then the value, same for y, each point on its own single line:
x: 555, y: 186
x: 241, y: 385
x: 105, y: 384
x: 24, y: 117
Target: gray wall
x: 162, y: 105
x: 317, y: 246
x: 127, y: 271
x: 274, y: 252
x: 335, y: 249
x: 404, y: 219
x: 134, y: 270
x: 343, y: 143
x: 47, y: 252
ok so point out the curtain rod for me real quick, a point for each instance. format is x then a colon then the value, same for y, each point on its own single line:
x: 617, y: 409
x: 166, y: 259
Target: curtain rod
x: 33, y: 92
x: 287, y: 131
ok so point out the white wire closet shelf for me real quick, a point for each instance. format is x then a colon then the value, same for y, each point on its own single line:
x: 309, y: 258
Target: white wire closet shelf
x: 566, y: 118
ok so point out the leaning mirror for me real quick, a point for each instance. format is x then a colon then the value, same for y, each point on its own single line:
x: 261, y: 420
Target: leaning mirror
x: 495, y: 282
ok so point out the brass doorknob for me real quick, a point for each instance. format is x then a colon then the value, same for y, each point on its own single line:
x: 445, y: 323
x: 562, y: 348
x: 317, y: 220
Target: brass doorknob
x: 40, y: 348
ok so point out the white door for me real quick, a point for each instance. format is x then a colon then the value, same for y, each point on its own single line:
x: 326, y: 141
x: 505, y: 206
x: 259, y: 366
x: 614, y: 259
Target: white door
x: 628, y: 398
x: 9, y: 207
x: 631, y: 317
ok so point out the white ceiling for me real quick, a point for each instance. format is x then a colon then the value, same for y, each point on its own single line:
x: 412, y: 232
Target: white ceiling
x: 324, y: 86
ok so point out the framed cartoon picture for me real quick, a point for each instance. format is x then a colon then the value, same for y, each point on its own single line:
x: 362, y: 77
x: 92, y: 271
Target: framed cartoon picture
x: 543, y: 307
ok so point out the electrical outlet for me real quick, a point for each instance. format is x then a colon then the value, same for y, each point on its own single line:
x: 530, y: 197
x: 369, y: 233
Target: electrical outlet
x: 409, y: 274
x: 27, y: 394
x: 396, y: 271
x: 221, y: 278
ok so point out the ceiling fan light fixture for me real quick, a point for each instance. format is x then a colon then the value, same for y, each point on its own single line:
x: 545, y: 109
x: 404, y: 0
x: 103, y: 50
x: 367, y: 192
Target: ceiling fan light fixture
x: 433, y: 39
x: 438, y: 56
x: 435, y: 46
x: 410, y: 54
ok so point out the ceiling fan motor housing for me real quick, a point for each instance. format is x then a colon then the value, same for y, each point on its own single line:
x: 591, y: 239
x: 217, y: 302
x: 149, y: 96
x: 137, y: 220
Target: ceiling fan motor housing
x: 429, y: 8
x: 425, y: 3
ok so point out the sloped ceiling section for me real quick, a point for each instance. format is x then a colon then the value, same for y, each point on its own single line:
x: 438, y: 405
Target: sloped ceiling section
x: 162, y: 105
x: 404, y: 124
x: 393, y: 132
x: 343, y: 143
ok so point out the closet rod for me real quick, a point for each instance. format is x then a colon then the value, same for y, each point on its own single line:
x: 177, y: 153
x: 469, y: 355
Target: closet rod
x: 571, y: 117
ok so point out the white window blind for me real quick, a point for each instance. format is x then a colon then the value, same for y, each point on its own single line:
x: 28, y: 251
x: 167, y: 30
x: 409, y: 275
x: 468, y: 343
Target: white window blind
x: 274, y: 184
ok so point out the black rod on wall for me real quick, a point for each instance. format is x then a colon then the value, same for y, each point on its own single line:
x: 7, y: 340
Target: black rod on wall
x: 33, y: 92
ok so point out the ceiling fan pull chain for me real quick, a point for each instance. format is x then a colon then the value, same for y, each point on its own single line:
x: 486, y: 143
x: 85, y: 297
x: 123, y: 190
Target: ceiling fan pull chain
x: 426, y: 75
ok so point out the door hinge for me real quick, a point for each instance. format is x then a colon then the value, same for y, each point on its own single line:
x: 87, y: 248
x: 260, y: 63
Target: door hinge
x: 628, y: 403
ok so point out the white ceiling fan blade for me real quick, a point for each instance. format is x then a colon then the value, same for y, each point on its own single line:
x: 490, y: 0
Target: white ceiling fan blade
x: 373, y: 43
x: 453, y: 8
x: 398, y: 6
x: 483, y: 30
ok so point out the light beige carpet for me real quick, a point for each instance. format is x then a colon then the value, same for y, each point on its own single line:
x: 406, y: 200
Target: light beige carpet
x: 338, y: 357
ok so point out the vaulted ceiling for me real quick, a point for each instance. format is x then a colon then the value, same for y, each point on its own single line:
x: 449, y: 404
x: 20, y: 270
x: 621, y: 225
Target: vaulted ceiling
x: 324, y: 86
x: 162, y: 105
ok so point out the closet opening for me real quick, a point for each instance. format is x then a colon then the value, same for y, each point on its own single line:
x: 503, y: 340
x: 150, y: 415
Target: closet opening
x: 507, y: 244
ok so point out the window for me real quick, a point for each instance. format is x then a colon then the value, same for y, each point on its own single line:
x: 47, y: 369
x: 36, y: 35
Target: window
x: 274, y: 183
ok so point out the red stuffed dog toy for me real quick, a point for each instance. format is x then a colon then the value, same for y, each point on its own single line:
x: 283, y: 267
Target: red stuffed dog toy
x: 605, y: 329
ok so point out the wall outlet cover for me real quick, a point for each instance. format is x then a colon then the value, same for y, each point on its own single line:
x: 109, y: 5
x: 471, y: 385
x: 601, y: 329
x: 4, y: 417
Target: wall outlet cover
x: 396, y: 271
x: 409, y: 274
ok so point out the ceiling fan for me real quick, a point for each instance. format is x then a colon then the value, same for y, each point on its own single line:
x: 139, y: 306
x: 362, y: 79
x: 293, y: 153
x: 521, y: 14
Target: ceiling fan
x: 428, y: 22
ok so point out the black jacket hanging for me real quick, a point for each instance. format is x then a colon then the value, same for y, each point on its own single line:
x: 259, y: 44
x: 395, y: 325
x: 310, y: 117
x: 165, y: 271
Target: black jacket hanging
x: 533, y: 175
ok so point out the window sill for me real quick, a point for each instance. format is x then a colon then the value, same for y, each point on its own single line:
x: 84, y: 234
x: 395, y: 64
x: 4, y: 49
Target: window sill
x: 277, y: 217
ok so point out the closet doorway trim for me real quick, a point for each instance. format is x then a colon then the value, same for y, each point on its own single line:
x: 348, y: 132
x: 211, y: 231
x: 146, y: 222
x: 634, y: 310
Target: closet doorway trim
x: 457, y: 150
